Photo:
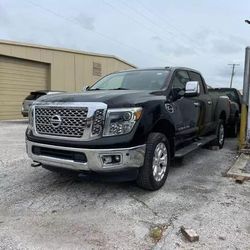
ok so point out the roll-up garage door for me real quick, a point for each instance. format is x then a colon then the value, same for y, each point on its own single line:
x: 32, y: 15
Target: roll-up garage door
x: 18, y: 78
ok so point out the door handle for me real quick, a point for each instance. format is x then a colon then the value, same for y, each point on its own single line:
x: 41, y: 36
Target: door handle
x: 196, y: 104
x: 209, y: 102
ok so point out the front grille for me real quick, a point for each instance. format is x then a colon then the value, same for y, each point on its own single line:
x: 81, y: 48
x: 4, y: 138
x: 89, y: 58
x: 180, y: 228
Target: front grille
x: 61, y: 121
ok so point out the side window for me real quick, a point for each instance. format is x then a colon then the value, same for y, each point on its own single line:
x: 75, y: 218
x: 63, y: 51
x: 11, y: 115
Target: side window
x: 180, y: 79
x: 196, y: 77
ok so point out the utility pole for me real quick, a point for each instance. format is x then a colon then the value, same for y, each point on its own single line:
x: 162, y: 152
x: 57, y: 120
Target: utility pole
x: 233, y: 71
x: 244, y: 117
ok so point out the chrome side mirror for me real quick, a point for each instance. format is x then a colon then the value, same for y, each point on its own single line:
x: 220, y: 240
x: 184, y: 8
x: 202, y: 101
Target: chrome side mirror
x: 192, y: 89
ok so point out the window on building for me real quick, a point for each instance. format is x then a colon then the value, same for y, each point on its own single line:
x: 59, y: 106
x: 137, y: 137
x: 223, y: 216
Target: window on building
x: 97, y: 69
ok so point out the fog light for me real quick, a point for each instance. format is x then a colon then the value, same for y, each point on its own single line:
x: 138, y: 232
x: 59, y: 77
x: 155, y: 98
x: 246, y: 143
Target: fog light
x: 111, y: 159
x: 117, y: 158
x: 107, y: 159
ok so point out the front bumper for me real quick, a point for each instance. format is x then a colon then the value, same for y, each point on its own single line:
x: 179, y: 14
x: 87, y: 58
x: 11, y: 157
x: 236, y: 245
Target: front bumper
x: 132, y: 157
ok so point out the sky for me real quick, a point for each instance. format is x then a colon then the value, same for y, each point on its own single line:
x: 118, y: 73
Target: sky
x: 205, y: 35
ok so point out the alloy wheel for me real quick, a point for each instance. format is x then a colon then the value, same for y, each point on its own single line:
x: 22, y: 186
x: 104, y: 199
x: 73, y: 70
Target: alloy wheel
x: 160, y: 161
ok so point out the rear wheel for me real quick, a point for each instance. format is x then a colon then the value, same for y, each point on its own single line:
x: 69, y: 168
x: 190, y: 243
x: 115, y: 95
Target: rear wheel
x: 154, y: 172
x: 220, y: 135
x: 233, y: 130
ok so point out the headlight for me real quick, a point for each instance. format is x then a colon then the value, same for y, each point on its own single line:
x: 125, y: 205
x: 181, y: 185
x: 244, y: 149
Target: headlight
x: 31, y: 117
x: 98, y: 122
x: 121, y: 121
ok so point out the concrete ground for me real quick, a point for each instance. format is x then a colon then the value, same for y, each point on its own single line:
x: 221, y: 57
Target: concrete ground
x: 44, y: 210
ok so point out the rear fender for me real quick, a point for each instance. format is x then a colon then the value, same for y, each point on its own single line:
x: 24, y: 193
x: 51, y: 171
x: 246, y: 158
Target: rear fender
x: 222, y: 109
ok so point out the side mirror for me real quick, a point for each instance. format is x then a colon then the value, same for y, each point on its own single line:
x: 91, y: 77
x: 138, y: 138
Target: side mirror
x: 192, y: 89
x: 85, y: 88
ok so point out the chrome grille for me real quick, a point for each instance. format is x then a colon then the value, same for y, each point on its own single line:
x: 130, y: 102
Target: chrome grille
x: 71, y: 121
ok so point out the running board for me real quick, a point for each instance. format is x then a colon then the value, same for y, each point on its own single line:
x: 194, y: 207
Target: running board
x: 193, y: 146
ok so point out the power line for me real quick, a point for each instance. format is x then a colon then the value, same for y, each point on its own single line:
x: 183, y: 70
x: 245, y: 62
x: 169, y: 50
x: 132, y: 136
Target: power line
x: 164, y: 29
x: 233, y: 72
x: 135, y: 20
x: 124, y: 13
x: 198, y: 24
x: 72, y: 20
x: 165, y: 20
x: 152, y: 23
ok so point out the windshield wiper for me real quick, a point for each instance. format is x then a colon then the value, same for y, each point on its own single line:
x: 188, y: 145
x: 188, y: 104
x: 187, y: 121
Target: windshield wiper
x: 94, y: 89
x: 119, y: 89
x: 107, y: 89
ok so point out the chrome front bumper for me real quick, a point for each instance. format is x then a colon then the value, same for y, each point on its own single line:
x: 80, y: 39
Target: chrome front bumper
x: 130, y: 158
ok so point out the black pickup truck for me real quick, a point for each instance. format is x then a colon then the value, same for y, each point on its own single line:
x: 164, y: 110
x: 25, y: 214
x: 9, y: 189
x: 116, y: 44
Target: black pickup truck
x: 233, y: 122
x: 130, y: 123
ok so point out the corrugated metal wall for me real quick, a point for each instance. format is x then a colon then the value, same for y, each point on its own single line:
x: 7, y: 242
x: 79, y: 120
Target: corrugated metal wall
x: 69, y: 69
x: 17, y: 78
x: 63, y: 69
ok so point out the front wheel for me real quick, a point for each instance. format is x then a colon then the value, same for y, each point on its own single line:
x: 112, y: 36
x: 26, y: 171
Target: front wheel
x: 154, y: 172
x: 220, y: 135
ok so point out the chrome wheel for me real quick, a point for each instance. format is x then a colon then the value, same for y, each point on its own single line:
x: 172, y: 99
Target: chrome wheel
x: 160, y: 161
x: 221, y: 134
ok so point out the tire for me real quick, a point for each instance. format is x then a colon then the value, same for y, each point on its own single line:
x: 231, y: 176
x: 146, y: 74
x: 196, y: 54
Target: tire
x: 220, y: 135
x: 150, y: 176
x: 233, y: 130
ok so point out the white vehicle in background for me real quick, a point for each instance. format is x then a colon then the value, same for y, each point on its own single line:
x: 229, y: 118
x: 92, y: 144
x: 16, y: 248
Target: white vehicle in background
x: 33, y: 96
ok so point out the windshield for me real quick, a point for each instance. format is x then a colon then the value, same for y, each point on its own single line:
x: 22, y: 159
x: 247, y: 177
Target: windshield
x: 34, y: 96
x: 135, y: 80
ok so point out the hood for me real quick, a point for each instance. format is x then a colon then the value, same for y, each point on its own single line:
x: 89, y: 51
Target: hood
x: 113, y: 98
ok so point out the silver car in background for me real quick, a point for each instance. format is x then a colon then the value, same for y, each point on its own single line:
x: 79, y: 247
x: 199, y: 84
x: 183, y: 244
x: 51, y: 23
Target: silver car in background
x: 33, y: 96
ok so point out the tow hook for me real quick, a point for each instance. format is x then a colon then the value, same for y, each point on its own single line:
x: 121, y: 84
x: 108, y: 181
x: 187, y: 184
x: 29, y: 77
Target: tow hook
x: 35, y: 164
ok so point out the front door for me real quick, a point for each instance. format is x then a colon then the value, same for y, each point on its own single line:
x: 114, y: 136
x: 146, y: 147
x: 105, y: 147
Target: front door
x: 186, y: 109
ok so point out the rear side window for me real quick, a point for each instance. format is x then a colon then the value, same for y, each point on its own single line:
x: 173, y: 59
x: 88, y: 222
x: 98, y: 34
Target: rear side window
x: 196, y: 77
x: 34, y: 96
x: 180, y: 79
x: 231, y: 93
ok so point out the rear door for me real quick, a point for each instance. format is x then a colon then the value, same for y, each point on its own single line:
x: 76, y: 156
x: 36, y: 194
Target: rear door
x: 186, y: 112
x: 204, y: 100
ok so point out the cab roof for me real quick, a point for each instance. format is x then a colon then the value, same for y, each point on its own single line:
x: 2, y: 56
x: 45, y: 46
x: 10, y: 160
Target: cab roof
x: 170, y: 68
